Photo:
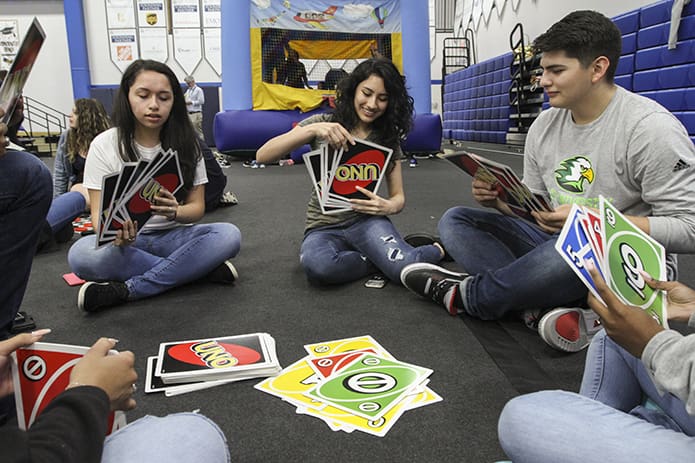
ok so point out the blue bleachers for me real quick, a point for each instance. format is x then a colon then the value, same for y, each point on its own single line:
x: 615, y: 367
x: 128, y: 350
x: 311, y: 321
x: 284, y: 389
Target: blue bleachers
x: 476, y: 103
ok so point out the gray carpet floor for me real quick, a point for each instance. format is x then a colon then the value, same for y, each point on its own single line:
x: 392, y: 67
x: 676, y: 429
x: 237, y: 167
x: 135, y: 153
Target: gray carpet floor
x: 273, y: 296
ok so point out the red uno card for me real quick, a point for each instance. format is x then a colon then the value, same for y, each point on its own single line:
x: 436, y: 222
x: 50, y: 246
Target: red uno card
x: 42, y: 371
x: 72, y: 279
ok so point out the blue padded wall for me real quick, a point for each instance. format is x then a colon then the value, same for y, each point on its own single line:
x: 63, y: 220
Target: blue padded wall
x: 476, y: 103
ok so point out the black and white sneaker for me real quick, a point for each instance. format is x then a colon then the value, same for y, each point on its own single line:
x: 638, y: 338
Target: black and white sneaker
x: 225, y: 273
x: 95, y: 296
x: 433, y: 282
x: 423, y: 239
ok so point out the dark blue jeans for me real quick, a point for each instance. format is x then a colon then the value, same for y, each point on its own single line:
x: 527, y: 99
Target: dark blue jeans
x: 344, y: 253
x: 514, y: 264
x: 26, y: 190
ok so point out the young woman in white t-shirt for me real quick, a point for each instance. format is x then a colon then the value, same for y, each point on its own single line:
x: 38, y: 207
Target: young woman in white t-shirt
x: 149, y: 115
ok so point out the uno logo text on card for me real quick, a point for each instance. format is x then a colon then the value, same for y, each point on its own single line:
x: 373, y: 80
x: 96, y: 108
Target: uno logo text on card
x: 213, y: 354
x: 360, y: 170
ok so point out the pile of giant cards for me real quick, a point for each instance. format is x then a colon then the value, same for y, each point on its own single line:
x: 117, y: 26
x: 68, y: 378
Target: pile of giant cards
x: 128, y: 194
x: 509, y: 187
x: 186, y: 366
x: 352, y: 384
x: 620, y: 251
x: 40, y: 372
x: 335, y: 174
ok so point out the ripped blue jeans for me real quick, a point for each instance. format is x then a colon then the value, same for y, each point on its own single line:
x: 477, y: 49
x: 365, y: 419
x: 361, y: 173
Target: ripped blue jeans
x: 347, y: 252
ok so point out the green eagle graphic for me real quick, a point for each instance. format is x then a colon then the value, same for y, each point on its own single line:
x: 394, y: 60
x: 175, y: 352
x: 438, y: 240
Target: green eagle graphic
x: 572, y: 174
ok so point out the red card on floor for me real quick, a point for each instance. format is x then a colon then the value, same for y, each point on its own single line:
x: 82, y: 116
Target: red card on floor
x: 72, y: 279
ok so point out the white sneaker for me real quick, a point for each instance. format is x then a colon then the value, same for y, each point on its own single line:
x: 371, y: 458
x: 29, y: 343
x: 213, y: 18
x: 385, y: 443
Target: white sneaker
x: 569, y: 329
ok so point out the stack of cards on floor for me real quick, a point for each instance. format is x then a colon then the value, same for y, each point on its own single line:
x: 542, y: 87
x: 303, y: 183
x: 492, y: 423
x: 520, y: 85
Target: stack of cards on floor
x: 509, y: 187
x: 42, y: 371
x: 128, y: 194
x: 620, y: 251
x: 352, y: 384
x: 186, y: 366
x: 335, y: 174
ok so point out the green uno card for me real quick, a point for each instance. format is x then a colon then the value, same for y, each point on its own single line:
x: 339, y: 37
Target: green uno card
x: 628, y: 250
x: 370, y: 386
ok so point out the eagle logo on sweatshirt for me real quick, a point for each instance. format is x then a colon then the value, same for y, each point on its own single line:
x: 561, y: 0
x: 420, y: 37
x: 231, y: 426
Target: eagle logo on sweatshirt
x: 574, y: 173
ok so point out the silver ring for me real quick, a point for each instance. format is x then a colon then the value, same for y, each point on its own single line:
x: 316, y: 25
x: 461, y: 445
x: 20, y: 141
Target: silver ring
x: 135, y: 388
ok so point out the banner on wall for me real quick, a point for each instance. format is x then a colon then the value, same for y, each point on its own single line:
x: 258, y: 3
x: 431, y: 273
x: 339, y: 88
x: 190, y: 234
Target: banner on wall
x: 151, y: 13
x: 153, y: 44
x: 185, y: 13
x: 187, y: 48
x: 487, y: 6
x: 211, y: 13
x: 365, y: 17
x: 515, y: 5
x: 9, y: 42
x: 213, y: 51
x: 123, y: 46
x: 120, y: 14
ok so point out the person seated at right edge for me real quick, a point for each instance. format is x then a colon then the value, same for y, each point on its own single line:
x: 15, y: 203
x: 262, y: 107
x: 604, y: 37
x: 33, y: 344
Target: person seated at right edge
x: 637, y: 398
x: 597, y: 139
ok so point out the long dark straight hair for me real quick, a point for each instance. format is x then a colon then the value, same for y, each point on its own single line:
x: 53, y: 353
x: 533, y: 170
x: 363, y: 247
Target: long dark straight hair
x: 396, y: 121
x: 177, y: 133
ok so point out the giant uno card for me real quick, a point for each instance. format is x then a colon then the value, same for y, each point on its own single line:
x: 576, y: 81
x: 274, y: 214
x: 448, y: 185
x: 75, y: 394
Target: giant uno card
x: 42, y: 371
x: 209, y: 358
x: 370, y: 386
x: 628, y: 250
x: 362, y: 164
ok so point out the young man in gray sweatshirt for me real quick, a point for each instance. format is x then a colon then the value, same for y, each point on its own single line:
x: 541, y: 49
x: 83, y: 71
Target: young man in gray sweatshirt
x: 597, y: 139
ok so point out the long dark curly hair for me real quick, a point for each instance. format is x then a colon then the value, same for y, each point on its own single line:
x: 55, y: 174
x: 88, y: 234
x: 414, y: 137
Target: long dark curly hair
x: 177, y: 133
x: 396, y: 121
x: 91, y: 121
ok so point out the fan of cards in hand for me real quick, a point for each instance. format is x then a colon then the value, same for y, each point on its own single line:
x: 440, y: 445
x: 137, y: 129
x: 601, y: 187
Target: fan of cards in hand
x: 620, y: 251
x: 336, y: 174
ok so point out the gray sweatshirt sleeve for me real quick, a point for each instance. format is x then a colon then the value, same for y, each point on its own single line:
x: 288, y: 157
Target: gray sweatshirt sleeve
x: 670, y: 360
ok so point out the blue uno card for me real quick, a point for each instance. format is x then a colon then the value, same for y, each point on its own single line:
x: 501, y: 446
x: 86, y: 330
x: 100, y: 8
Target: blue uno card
x: 575, y: 247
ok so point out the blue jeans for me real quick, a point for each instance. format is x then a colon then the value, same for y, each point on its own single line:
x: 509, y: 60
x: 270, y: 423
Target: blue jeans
x: 26, y: 190
x: 159, y: 260
x: 181, y: 437
x: 348, y: 252
x: 514, y: 265
x: 605, y: 422
x: 64, y: 209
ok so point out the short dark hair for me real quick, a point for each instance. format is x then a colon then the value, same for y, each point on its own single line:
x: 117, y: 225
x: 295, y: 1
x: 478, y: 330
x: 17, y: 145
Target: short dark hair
x: 584, y: 35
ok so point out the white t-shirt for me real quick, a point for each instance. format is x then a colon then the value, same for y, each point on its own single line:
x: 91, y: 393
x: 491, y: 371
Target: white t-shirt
x: 103, y: 159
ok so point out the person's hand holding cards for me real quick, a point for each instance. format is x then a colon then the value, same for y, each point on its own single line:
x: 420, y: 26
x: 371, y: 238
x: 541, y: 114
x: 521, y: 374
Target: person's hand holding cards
x: 553, y: 221
x: 126, y: 235
x: 375, y: 205
x: 485, y: 193
x: 6, y: 348
x: 629, y: 326
x: 114, y: 373
x: 165, y: 204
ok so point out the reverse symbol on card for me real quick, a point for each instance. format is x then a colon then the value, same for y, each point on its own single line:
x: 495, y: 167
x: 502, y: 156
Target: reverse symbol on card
x: 34, y: 368
x: 321, y: 349
x: 370, y: 383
